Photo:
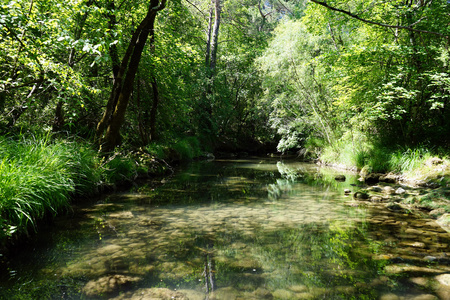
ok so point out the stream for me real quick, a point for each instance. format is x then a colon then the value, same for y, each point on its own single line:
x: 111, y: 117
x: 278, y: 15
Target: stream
x: 254, y: 228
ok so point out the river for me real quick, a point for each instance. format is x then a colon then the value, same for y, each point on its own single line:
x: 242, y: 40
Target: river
x: 256, y: 228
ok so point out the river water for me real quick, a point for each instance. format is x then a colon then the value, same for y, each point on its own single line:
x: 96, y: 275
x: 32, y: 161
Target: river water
x: 234, y: 229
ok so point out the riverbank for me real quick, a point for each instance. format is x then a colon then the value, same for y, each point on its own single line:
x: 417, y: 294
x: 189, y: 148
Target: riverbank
x: 42, y: 176
x: 422, y: 190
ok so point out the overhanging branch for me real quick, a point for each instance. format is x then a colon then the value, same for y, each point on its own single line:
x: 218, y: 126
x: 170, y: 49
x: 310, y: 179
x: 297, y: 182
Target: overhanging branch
x: 348, y: 13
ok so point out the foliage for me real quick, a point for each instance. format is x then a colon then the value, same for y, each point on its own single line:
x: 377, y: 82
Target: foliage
x: 179, y: 149
x: 119, y: 168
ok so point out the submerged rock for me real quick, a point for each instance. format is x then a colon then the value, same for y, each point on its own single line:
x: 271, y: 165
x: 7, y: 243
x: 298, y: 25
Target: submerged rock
x: 394, y: 206
x: 109, y: 285
x: 153, y: 293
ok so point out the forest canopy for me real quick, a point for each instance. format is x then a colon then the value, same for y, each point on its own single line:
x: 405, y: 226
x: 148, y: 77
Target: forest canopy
x: 238, y: 75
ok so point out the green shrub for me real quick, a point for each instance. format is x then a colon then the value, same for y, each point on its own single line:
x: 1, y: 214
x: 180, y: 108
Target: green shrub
x: 119, y: 169
x: 184, y: 149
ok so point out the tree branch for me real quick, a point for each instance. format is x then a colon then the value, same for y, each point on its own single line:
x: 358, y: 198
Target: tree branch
x: 198, y: 9
x: 348, y: 13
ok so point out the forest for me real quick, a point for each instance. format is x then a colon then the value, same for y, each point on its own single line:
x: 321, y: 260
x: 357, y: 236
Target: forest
x: 97, y: 92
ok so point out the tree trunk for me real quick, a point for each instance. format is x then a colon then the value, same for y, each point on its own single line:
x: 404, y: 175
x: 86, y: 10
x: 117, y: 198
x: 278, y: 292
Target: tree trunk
x: 116, y: 69
x: 153, y: 111
x: 208, y: 34
x: 215, y: 36
x: 123, y: 86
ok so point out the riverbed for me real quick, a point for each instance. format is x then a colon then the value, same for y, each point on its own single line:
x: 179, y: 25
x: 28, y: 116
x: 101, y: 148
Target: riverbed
x: 256, y: 228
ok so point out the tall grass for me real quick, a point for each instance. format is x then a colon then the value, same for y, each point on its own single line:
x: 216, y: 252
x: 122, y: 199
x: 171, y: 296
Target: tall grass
x: 38, y: 176
x: 407, y: 159
x: 358, y: 151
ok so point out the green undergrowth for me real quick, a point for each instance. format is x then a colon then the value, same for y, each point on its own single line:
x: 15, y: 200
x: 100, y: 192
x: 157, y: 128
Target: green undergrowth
x: 181, y: 149
x: 358, y: 151
x: 40, y: 175
x: 37, y: 178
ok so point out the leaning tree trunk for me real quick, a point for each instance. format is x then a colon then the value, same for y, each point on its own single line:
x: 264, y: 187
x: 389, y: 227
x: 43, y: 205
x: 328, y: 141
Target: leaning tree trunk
x: 206, y: 122
x: 123, y: 85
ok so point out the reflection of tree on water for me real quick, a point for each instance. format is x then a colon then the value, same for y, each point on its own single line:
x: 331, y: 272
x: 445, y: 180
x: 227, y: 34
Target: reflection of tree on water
x: 292, y: 174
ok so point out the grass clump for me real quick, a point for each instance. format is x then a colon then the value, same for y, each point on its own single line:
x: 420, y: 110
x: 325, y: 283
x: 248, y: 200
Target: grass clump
x: 356, y: 150
x: 408, y: 159
x: 38, y: 177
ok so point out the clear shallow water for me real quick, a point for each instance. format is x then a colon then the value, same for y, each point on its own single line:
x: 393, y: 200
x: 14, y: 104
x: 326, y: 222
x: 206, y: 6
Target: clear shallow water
x: 243, y: 229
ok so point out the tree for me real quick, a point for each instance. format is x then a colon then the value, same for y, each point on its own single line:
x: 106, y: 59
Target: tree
x: 114, y: 115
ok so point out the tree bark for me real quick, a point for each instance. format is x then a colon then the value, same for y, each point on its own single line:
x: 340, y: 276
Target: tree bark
x: 215, y: 36
x: 208, y: 34
x: 123, y: 86
x: 154, y: 109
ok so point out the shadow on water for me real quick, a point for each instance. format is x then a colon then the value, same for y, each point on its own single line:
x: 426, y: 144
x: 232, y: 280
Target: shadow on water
x: 244, y: 229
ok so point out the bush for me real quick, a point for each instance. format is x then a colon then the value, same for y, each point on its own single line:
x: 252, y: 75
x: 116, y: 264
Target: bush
x: 119, y: 169
x: 181, y: 149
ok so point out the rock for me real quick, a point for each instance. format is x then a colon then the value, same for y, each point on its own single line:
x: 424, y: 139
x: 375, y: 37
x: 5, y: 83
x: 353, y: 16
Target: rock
x: 443, y: 279
x: 109, y: 249
x: 152, y: 293
x: 424, y: 297
x: 444, y: 222
x: 421, y: 281
x: 375, y: 188
x: 394, y: 206
x: 436, y: 213
x: 108, y: 285
x: 372, y: 178
x: 122, y: 215
x: 430, y: 258
x: 339, y: 178
x: 388, y: 190
x: 434, y: 161
x: 388, y: 178
x: 400, y: 191
x: 389, y: 297
x: 443, y: 288
x: 414, y: 244
x: 376, y: 199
